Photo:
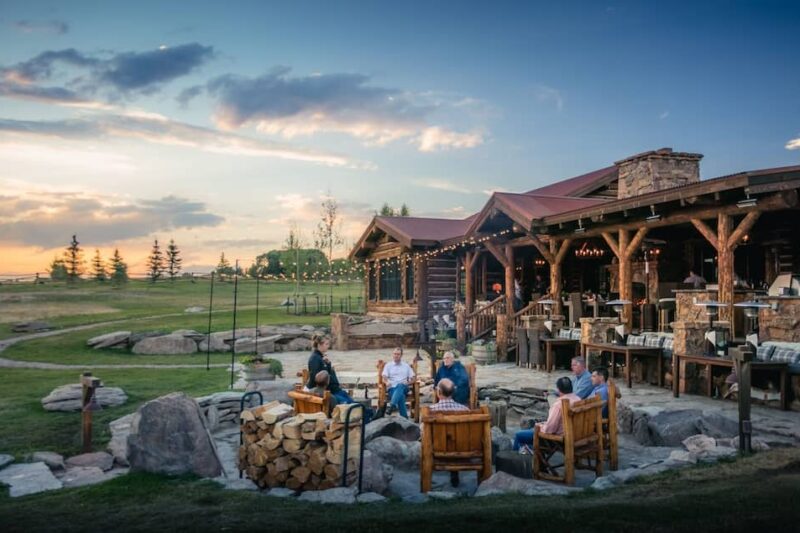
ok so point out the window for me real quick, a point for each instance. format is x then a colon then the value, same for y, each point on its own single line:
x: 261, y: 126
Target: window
x: 372, y: 273
x: 409, y: 280
x: 390, y: 280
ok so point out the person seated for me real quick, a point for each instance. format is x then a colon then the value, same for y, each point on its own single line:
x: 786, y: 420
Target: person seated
x: 447, y: 402
x: 582, y: 380
x: 698, y: 281
x: 553, y: 425
x: 455, y: 372
x: 600, y: 384
x: 322, y: 381
x: 397, y: 376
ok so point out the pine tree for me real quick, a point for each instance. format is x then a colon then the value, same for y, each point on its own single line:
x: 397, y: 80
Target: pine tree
x: 173, y: 260
x: 73, y: 260
x: 224, y: 267
x: 404, y: 211
x: 119, y: 270
x: 98, y: 268
x: 155, y: 263
x: 57, y: 270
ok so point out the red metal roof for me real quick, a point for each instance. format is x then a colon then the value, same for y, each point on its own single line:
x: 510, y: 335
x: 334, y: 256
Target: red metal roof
x: 573, y: 186
x: 426, y: 229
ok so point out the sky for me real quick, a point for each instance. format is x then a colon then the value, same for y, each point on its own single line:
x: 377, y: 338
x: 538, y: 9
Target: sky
x: 221, y: 124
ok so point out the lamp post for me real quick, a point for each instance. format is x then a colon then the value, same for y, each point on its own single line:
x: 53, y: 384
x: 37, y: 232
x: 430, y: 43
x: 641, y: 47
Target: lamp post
x: 548, y: 304
x: 713, y: 336
x: 619, y: 331
x: 751, y: 313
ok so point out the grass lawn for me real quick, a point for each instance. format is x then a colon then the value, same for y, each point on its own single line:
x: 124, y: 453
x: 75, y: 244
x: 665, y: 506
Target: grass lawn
x: 757, y: 493
x: 26, y: 427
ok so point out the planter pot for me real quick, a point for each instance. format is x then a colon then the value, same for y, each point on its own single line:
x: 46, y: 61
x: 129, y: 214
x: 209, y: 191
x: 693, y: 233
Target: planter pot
x: 484, y: 354
x: 258, y: 373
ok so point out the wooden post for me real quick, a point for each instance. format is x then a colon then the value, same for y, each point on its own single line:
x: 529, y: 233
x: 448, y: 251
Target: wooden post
x: 89, y: 384
x: 461, y: 329
x: 725, y: 265
x: 743, y: 357
x: 421, y: 280
x: 509, y: 268
x: 469, y: 273
x: 623, y: 248
x: 484, y: 276
x: 502, y: 336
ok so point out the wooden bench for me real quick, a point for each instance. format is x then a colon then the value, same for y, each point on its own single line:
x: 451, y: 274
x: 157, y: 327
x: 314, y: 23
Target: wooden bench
x: 473, y: 389
x: 582, y: 441
x: 628, y: 351
x: 306, y: 402
x: 455, y: 441
x: 412, y: 398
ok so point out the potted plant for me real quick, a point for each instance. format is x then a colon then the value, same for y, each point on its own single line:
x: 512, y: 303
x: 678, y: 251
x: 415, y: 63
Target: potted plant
x: 259, y: 368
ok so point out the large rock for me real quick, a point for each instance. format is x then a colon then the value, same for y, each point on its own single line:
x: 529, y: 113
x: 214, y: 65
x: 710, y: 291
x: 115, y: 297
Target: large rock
x: 248, y: 344
x: 109, y: 339
x: 31, y: 327
x: 699, y: 443
x: 102, y: 460
x: 627, y: 475
x: 28, y: 478
x: 165, y: 345
x: 396, y: 427
x: 275, y: 390
x: 377, y: 475
x: 671, y: 428
x: 217, y: 345
x: 169, y: 436
x: 5, y: 460
x: 500, y: 441
x: 503, y: 483
x: 53, y: 460
x: 69, y: 397
x: 398, y: 453
x: 339, y: 495
x: 299, y: 344
x: 80, y: 476
x: 190, y: 334
x: 118, y: 445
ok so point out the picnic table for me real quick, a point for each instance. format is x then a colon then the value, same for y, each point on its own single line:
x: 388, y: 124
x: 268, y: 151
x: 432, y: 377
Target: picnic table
x: 551, y: 344
x: 628, y: 352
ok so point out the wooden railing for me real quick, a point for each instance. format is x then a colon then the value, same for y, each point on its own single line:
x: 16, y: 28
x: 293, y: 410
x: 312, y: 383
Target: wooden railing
x: 482, y: 321
x: 516, y: 321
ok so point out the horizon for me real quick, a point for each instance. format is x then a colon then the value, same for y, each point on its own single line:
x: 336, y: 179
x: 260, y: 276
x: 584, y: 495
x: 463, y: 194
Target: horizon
x: 223, y: 126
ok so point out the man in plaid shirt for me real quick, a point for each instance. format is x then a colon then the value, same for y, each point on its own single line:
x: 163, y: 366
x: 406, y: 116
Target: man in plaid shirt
x: 445, y: 388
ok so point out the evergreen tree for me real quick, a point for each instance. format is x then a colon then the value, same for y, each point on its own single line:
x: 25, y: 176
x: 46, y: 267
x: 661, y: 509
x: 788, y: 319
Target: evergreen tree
x: 58, y: 270
x: 174, y: 260
x: 224, y: 267
x: 98, y: 268
x: 404, y: 211
x: 386, y: 210
x: 155, y: 263
x: 119, y: 270
x: 73, y: 260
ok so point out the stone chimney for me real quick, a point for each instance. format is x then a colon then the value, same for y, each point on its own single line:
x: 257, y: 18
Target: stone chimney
x: 656, y: 171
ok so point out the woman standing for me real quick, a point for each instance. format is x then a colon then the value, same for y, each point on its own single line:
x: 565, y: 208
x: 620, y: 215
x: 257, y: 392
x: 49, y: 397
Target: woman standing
x: 319, y: 361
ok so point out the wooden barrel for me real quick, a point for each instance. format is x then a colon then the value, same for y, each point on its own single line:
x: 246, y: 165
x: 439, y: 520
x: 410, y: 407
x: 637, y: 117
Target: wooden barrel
x: 484, y: 354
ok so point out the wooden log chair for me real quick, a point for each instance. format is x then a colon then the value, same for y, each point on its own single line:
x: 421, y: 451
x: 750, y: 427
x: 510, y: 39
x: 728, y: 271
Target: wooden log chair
x: 412, y: 398
x: 473, y: 388
x: 306, y: 402
x: 610, y: 442
x: 303, y: 375
x: 455, y: 441
x: 581, y: 444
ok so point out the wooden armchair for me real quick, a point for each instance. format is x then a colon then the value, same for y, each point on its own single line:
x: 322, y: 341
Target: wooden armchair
x: 303, y: 375
x: 455, y: 441
x: 412, y: 398
x: 582, y: 441
x: 610, y: 442
x: 306, y: 402
x: 473, y: 389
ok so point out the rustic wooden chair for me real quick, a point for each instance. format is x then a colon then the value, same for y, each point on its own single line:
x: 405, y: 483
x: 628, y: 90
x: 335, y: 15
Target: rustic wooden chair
x: 455, y: 441
x: 306, y: 402
x: 412, y: 398
x: 473, y: 389
x: 303, y: 375
x: 582, y: 441
x: 610, y: 442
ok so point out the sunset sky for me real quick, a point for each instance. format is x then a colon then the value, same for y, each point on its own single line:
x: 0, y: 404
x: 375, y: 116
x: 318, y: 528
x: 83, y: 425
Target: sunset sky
x: 219, y: 123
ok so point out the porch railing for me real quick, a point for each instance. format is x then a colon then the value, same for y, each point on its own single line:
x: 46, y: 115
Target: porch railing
x: 482, y: 321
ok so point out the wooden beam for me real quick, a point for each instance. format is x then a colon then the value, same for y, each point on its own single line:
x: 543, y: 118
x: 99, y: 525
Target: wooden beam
x: 636, y: 241
x: 509, y: 267
x: 612, y: 243
x: 542, y: 248
x: 741, y: 230
x: 706, y: 232
x: 562, y: 251
x: 725, y: 265
x: 496, y: 252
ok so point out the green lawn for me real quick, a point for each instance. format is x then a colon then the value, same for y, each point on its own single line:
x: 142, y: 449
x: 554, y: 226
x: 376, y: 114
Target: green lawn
x: 758, y: 493
x: 26, y: 427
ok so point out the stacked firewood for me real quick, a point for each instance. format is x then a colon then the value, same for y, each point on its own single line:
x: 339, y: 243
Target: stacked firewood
x: 302, y: 452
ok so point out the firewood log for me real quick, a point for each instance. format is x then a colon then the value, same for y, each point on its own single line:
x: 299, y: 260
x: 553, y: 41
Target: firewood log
x: 335, y: 471
x: 274, y: 454
x: 292, y: 428
x: 269, y: 442
x: 292, y: 445
x: 249, y: 427
x: 284, y: 463
x: 307, y: 417
x: 301, y: 458
x: 340, y: 413
x: 294, y: 483
x: 250, y: 438
x: 277, y: 429
x: 301, y: 473
x: 255, y: 472
x: 276, y: 413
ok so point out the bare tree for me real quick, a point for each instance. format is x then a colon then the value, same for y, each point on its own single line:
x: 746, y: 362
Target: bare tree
x: 294, y: 242
x: 328, y: 234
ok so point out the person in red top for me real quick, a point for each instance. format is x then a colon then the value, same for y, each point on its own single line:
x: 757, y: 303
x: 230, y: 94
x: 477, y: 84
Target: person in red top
x: 553, y: 423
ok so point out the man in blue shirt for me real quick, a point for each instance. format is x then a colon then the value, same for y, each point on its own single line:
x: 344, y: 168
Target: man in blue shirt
x: 600, y: 382
x: 582, y: 380
x: 455, y: 372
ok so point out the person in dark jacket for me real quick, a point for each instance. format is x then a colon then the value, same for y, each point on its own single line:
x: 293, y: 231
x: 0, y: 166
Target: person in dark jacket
x: 455, y: 372
x: 319, y: 361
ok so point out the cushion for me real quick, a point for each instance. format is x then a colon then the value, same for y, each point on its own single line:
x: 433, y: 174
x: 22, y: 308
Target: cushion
x: 563, y: 334
x: 653, y: 341
x: 764, y: 352
x: 785, y: 355
x: 635, y: 340
x: 575, y: 334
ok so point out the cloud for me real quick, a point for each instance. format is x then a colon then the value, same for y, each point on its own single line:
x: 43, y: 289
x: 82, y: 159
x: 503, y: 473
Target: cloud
x: 793, y: 144
x: 435, y: 138
x: 188, y: 94
x: 58, y: 27
x: 246, y: 243
x: 663, y: 115
x: 457, y: 210
x: 441, y: 185
x: 489, y: 192
x: 293, y: 201
x: 551, y: 95
x: 157, y: 129
x: 48, y: 219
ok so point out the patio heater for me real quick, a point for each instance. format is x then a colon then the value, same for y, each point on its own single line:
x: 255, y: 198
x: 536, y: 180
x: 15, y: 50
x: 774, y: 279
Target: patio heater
x: 548, y: 304
x: 619, y: 331
x: 715, y: 341
x: 751, y: 314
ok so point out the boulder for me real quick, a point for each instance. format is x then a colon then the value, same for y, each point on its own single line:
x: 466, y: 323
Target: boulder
x: 699, y: 443
x: 281, y: 492
x: 492, y: 393
x: 442, y: 495
x: 503, y: 483
x: 136, y: 337
x: 69, y: 397
x: 118, y: 445
x: 169, y: 436
x: 80, y: 476
x: 190, y: 334
x: 31, y: 327
x: 53, y: 460
x: 671, y: 428
x: 5, y: 460
x: 377, y: 475
x: 101, y: 460
x: 28, y: 478
x: 212, y: 417
x: 275, y: 390
x: 398, y: 453
x: 396, y: 427
x: 247, y: 345
x: 217, y: 345
x: 500, y: 441
x: 109, y: 339
x: 165, y: 345
x: 621, y: 477
x: 339, y: 495
x: 370, y: 497
x: 299, y: 344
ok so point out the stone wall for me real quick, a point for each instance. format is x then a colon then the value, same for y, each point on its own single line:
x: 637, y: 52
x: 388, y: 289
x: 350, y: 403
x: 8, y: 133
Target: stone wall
x: 350, y: 332
x: 781, y: 324
x: 537, y: 321
x: 656, y: 171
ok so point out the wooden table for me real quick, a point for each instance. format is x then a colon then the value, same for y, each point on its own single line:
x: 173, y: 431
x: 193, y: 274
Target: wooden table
x: 550, y: 345
x: 709, y: 362
x: 628, y: 352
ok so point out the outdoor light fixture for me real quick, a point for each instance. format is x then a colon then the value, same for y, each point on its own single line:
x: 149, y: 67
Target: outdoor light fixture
x: 619, y: 331
x: 747, y: 202
x: 715, y: 339
x: 653, y: 215
x: 548, y: 304
x: 587, y: 252
x: 751, y: 313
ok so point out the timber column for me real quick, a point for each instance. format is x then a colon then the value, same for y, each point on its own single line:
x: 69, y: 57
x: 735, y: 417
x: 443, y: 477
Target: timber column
x: 554, y: 255
x: 623, y: 249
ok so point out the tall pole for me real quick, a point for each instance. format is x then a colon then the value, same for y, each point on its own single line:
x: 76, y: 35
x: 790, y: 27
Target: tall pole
x: 297, y: 272
x: 235, y: 296
x: 208, y: 337
x: 258, y: 279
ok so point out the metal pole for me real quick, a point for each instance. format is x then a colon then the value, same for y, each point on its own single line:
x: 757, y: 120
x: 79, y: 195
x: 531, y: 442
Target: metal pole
x: 208, y: 337
x: 258, y: 278
x: 235, y: 296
